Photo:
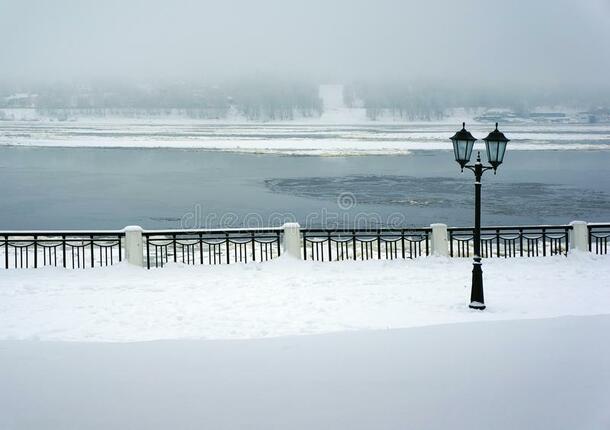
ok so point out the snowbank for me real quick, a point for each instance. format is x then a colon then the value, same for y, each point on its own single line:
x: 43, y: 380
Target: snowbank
x: 535, y: 374
x: 288, y: 297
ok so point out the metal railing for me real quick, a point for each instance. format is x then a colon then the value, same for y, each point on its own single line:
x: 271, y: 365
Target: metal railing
x: 156, y: 248
x: 70, y: 249
x: 211, y: 246
x: 599, y: 235
x: 387, y: 244
x: 519, y: 241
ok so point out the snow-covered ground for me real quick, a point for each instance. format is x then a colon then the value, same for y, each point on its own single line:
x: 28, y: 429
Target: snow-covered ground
x: 287, y: 297
x: 223, y: 349
x: 534, y: 374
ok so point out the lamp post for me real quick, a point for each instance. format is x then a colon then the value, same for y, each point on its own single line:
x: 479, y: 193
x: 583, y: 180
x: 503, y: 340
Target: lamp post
x: 495, y: 145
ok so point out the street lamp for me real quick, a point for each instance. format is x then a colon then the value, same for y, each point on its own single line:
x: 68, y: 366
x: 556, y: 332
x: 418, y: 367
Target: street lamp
x: 495, y: 145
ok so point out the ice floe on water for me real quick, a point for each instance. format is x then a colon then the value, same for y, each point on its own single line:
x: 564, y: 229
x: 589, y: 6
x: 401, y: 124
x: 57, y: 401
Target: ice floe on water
x: 507, y: 198
x: 293, y: 139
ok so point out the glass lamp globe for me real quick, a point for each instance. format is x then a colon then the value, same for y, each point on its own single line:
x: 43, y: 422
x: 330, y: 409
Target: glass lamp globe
x: 495, y: 144
x: 463, y: 143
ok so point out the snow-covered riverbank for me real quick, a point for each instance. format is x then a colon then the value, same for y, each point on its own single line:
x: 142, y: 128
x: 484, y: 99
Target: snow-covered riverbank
x: 440, y: 366
x: 286, y: 297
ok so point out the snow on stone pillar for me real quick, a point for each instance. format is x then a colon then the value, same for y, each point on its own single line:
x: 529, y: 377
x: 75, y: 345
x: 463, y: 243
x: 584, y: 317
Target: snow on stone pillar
x: 440, y: 245
x: 133, y: 245
x: 292, y: 239
x: 579, y: 236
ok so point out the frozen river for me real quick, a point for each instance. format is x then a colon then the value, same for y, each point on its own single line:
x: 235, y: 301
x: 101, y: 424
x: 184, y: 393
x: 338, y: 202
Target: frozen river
x: 109, y: 175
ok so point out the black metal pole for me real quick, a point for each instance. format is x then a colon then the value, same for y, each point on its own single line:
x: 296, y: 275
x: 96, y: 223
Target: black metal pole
x: 477, y: 300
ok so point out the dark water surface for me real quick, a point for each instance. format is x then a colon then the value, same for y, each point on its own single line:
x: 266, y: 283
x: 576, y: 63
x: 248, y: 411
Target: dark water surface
x: 94, y: 188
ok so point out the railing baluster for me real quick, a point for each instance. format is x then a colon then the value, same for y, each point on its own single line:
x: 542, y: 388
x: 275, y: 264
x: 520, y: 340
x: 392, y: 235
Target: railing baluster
x: 544, y: 242
x: 427, y: 244
x: 63, y: 249
x: 279, y: 252
x: 174, y: 244
x: 227, y: 247
x: 120, y: 249
x: 147, y: 239
x: 36, y: 251
x: 520, y: 242
x: 6, y: 251
x: 92, y: 257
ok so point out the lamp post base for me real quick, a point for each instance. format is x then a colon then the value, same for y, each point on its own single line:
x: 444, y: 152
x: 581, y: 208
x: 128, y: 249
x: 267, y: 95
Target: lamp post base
x: 477, y: 300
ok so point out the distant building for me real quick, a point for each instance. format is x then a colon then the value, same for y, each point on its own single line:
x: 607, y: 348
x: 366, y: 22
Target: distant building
x: 595, y: 115
x: 21, y: 100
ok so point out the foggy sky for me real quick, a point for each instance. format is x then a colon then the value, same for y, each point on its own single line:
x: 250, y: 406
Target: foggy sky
x: 499, y: 42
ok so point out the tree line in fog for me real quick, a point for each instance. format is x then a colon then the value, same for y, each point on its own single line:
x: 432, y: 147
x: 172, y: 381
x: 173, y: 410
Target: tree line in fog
x: 260, y: 99
x: 425, y: 101
x: 263, y: 99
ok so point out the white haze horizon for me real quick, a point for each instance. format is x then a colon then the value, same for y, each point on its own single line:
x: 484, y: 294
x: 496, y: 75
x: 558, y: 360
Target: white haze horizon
x: 550, y: 44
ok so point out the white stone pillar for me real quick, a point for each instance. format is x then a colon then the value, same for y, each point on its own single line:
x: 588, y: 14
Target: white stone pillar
x: 440, y: 244
x: 292, y: 239
x: 134, y: 252
x: 579, y: 236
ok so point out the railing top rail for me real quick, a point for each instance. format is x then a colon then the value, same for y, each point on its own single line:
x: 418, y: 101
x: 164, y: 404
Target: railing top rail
x: 279, y: 229
x: 62, y: 233
x: 365, y: 230
x: 211, y: 231
x: 515, y: 227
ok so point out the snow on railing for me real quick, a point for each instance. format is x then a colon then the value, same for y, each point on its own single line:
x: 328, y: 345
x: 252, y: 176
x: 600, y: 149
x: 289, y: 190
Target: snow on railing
x: 156, y: 248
